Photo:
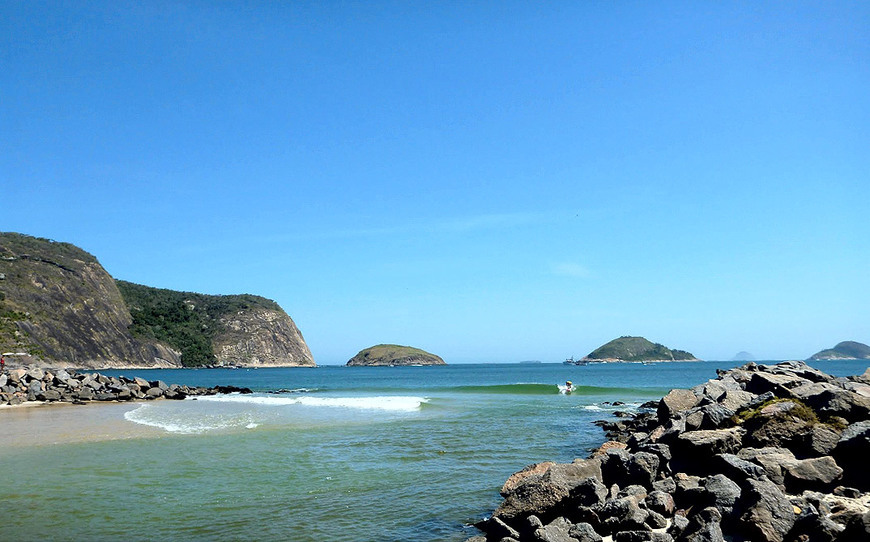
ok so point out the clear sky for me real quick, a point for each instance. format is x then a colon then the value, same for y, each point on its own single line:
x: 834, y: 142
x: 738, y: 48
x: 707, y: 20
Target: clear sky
x: 489, y: 181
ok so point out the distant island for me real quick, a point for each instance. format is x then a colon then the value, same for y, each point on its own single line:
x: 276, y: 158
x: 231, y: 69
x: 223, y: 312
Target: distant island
x: 635, y: 349
x: 393, y: 355
x: 743, y: 356
x: 843, y: 350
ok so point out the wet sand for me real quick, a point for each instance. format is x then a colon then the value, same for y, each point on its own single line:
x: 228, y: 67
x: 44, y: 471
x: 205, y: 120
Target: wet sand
x: 37, y: 424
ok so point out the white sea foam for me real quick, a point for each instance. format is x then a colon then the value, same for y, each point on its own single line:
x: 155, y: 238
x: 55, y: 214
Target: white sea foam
x: 386, y: 402
x: 148, y: 415
x: 592, y: 407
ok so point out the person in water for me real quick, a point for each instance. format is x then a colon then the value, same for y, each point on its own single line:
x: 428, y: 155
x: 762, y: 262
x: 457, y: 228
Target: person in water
x: 568, y: 386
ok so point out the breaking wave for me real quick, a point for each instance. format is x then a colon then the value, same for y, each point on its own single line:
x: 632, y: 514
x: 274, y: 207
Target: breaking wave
x: 389, y: 403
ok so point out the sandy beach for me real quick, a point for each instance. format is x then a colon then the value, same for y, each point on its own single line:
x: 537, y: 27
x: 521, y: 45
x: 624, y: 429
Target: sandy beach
x: 36, y: 424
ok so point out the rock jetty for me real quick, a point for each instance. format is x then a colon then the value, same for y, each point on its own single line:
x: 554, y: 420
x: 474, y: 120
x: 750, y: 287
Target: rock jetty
x: 67, y: 385
x: 762, y: 453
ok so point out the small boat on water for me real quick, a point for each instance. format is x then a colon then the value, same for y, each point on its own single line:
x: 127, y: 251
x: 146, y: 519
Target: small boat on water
x: 572, y: 361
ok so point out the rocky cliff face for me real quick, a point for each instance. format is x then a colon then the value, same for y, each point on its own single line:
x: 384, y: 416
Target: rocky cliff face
x: 261, y: 337
x: 58, y: 306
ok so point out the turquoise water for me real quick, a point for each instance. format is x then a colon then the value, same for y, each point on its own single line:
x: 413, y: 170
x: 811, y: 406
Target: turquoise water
x: 345, y: 453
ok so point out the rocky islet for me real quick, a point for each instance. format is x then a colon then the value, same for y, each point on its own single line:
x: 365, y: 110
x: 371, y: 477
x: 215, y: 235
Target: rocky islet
x: 761, y: 453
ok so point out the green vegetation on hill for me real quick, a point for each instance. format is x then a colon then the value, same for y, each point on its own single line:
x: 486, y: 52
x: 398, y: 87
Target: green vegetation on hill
x: 844, y: 350
x: 637, y: 349
x: 185, y: 321
x: 393, y: 354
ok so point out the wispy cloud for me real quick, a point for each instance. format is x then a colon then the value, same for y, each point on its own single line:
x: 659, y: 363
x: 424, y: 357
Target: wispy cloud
x: 486, y: 222
x: 442, y: 225
x: 566, y: 269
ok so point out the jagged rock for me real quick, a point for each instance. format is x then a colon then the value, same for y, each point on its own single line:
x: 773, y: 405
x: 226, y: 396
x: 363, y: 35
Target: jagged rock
x: 643, y: 468
x: 840, y: 402
x: 797, y: 368
x: 737, y: 468
x: 555, y: 531
x: 736, y: 399
x: 704, y: 527
x: 622, y: 514
x: 852, y: 452
x: 768, y: 515
x: 770, y: 459
x: 660, y: 502
x: 500, y: 530
x: 16, y: 375
x: 694, y: 449
x: 724, y: 493
x: 517, y: 477
x: 813, y: 473
x: 48, y: 395
x: 858, y: 527
x: 776, y: 428
x: 715, y: 416
x: 679, y: 524
x: 674, y: 402
x: 641, y: 536
x: 546, y: 494
x: 583, y: 532
x: 778, y: 384
x: 654, y: 520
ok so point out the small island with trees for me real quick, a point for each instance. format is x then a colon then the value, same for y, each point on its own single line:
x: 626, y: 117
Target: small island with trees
x: 394, y: 355
x: 843, y: 350
x: 635, y: 350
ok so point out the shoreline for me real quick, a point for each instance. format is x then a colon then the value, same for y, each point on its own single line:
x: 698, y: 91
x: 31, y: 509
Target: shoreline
x: 761, y: 453
x: 50, y: 424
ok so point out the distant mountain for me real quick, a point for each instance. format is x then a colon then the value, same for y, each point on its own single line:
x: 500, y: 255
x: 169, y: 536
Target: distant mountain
x: 390, y: 355
x: 843, y: 350
x: 625, y: 349
x: 743, y: 356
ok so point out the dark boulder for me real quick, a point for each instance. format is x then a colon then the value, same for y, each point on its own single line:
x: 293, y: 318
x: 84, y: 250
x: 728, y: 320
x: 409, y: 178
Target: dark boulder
x: 704, y: 527
x: 735, y: 468
x: 660, y: 502
x: 768, y: 515
x: 723, y: 493
x: 693, y: 450
x: 852, y: 453
x: 675, y: 402
x: 583, y: 532
x: 555, y: 531
x: 779, y: 385
x: 547, y: 495
x: 641, y: 536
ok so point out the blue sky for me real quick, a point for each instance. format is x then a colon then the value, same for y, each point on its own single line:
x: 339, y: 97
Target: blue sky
x: 490, y: 181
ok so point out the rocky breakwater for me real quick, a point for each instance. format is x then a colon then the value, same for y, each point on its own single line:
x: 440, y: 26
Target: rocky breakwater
x: 67, y: 385
x: 774, y: 453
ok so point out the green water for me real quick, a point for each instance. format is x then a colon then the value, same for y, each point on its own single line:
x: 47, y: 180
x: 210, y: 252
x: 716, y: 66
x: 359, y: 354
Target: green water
x: 351, y: 454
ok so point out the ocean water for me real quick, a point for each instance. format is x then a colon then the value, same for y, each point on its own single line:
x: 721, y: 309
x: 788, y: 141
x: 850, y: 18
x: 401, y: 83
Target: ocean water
x: 327, y: 453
